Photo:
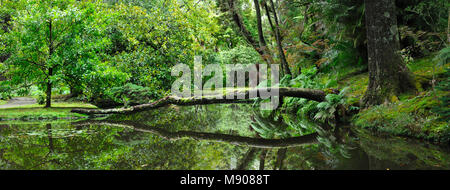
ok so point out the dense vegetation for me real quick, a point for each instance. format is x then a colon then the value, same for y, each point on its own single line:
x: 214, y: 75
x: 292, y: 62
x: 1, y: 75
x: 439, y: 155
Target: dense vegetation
x: 384, y: 64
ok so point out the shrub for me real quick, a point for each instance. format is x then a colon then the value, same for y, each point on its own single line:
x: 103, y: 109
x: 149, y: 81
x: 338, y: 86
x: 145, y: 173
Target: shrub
x: 131, y: 94
x: 5, y: 92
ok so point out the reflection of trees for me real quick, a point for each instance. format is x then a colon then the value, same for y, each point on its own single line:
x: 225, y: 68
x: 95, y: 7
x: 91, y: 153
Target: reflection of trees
x: 330, y: 138
x: 247, y: 159
x: 47, y: 147
x: 43, y: 146
x: 281, y: 156
x: 262, y: 159
x: 232, y: 139
x: 400, y: 153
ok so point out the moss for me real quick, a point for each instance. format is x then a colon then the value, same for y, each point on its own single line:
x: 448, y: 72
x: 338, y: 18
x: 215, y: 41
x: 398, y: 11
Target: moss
x: 394, y: 99
x: 408, y: 117
x: 425, y: 67
x: 357, y: 86
x: 408, y: 114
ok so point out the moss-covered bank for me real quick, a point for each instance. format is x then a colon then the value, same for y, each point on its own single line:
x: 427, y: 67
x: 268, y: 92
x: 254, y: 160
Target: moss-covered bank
x: 409, y: 114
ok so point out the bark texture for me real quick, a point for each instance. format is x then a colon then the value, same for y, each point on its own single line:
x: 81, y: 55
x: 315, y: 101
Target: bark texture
x: 388, y: 75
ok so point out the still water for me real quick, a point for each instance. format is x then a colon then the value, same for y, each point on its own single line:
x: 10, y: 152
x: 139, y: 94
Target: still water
x: 207, y: 137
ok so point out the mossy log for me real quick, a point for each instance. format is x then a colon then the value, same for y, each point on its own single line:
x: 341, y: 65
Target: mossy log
x: 232, y: 139
x: 310, y: 94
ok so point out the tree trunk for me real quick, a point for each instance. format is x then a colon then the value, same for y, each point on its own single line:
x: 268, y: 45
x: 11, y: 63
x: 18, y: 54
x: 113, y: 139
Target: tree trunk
x: 262, y: 159
x: 50, y: 69
x: 388, y: 76
x: 247, y: 159
x: 278, y: 38
x: 236, y: 17
x: 262, y: 41
x: 448, y: 27
x: 49, y: 89
x: 50, y: 137
x: 310, y: 94
x: 281, y: 156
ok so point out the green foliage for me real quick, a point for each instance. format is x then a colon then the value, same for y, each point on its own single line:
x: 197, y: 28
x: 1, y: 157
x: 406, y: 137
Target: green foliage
x: 131, y: 94
x: 320, y: 111
x: 345, y: 18
x: 5, y: 91
x: 326, y: 111
x: 98, y: 46
x: 410, y: 117
x: 343, y: 57
x: 101, y: 79
x: 424, y: 15
x: 52, y: 41
x: 36, y: 112
x: 40, y: 99
x: 443, y: 108
x: 269, y: 127
x: 443, y: 57
x: 419, y: 43
x: 239, y: 55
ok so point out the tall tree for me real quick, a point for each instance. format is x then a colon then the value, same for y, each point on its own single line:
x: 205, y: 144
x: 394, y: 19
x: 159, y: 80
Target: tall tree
x: 43, y: 39
x: 448, y: 27
x: 278, y: 37
x: 388, y: 75
x: 262, y: 40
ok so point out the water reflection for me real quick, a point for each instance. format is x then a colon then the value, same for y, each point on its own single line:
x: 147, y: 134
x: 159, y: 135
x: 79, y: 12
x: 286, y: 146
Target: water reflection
x: 207, y: 137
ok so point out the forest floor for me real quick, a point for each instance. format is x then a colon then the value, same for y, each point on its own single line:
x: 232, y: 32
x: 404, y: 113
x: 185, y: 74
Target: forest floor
x: 409, y: 114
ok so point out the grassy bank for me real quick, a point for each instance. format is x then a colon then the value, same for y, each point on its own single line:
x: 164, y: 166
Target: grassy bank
x: 59, y: 110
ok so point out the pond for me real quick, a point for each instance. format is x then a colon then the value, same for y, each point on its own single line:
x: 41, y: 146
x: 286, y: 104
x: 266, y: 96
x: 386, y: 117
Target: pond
x: 207, y: 137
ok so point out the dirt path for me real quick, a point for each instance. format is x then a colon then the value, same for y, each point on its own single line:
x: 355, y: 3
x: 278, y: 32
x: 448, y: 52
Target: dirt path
x: 20, y: 101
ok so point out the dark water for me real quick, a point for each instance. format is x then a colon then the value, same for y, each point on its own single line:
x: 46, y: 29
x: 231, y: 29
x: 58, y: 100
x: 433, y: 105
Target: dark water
x: 204, y: 137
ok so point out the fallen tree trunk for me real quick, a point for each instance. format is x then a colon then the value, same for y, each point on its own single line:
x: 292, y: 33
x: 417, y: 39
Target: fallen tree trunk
x: 310, y: 94
x: 232, y: 139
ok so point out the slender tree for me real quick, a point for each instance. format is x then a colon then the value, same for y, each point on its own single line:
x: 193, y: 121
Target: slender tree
x: 259, y: 45
x: 277, y: 34
x: 262, y: 41
x: 448, y: 27
x: 388, y: 75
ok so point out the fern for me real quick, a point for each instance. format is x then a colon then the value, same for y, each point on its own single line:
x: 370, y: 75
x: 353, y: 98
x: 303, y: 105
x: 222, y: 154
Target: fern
x: 443, y: 57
